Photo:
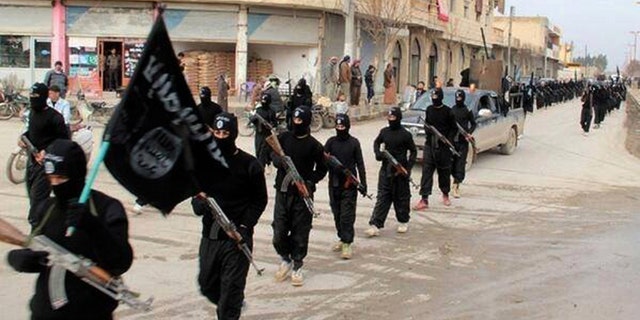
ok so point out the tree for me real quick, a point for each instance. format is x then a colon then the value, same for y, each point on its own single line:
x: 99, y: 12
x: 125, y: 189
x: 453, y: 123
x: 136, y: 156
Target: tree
x: 632, y: 69
x: 383, y: 20
x: 600, y: 61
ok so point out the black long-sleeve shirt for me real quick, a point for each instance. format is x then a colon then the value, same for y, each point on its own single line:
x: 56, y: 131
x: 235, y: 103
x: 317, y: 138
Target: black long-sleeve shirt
x: 307, y: 155
x: 441, y: 118
x: 465, y: 118
x: 349, y: 153
x: 103, y: 239
x: 242, y: 195
x: 45, y: 126
x: 398, y: 142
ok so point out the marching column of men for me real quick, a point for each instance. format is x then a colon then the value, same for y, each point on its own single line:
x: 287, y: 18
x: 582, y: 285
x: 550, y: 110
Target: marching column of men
x: 302, y: 163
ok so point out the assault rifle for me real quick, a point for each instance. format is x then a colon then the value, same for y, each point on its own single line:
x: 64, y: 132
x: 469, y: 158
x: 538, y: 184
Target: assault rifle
x: 468, y: 137
x: 399, y: 168
x: 441, y: 137
x: 30, y: 147
x: 292, y: 173
x: 231, y: 230
x: 61, y: 260
x: 265, y: 123
x: 333, y: 162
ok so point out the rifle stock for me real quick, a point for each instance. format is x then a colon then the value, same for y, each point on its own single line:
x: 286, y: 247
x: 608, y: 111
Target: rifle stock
x: 83, y: 268
x: 333, y: 162
x: 292, y: 173
x: 230, y: 229
x: 468, y: 137
x: 399, y: 168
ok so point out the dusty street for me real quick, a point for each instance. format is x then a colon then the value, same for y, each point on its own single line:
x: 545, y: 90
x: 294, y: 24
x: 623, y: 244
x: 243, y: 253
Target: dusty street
x: 550, y: 232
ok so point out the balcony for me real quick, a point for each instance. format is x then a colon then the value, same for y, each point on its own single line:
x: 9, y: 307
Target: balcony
x: 425, y: 14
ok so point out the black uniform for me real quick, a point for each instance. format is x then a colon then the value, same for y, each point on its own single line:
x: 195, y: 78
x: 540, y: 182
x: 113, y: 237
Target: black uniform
x: 207, y: 108
x: 302, y: 96
x: 101, y: 235
x: 45, y: 125
x: 465, y: 118
x: 393, y: 188
x: 243, y: 198
x: 586, y: 113
x: 342, y: 195
x: 291, y: 218
x: 262, y: 149
x: 437, y: 155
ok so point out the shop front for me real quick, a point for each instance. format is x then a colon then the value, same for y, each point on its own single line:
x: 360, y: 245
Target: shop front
x: 25, y: 42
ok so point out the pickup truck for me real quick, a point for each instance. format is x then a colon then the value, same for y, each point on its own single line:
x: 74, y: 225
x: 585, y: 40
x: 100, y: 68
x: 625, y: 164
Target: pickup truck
x: 499, y: 128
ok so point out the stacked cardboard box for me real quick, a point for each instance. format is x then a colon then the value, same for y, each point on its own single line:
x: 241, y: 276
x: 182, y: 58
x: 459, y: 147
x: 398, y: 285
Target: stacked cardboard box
x: 259, y: 68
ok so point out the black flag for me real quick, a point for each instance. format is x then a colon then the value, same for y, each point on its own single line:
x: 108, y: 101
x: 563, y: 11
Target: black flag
x: 158, y: 140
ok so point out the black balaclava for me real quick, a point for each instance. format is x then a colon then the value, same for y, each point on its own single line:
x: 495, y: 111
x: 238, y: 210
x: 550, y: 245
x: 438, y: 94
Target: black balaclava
x: 205, y: 94
x: 38, y: 96
x: 229, y: 122
x: 265, y: 101
x: 304, y: 113
x: 66, y: 158
x: 460, y: 96
x: 343, y: 119
x: 437, y: 95
x: 395, y: 124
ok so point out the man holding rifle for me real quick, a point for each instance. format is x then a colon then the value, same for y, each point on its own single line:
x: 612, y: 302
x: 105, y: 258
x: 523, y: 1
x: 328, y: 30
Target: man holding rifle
x: 299, y: 158
x: 45, y: 125
x: 101, y: 235
x: 242, y: 196
x: 344, y: 156
x: 393, y: 182
x: 440, y: 127
x: 466, y: 125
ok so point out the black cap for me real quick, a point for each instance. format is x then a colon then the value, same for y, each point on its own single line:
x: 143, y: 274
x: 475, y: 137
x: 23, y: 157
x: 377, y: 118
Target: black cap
x: 437, y: 93
x: 396, y: 112
x: 205, y: 92
x: 227, y: 121
x: 460, y: 94
x: 265, y: 100
x: 38, y: 95
x: 304, y: 113
x: 343, y: 119
x: 66, y: 158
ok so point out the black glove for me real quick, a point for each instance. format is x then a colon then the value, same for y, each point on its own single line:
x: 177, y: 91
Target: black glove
x: 27, y: 260
x: 364, y: 188
x: 77, y: 214
x: 379, y: 156
x: 200, y: 206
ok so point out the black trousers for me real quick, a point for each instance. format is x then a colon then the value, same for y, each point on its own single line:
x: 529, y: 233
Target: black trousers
x: 600, y: 111
x: 38, y: 188
x: 458, y: 167
x: 391, y: 190
x: 291, y: 227
x: 435, y: 159
x: 370, y: 92
x: 223, y: 276
x: 585, y: 119
x: 343, y: 205
x: 262, y: 149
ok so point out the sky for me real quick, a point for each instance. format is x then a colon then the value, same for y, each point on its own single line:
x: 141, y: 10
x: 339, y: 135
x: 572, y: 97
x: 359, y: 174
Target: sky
x: 604, y: 26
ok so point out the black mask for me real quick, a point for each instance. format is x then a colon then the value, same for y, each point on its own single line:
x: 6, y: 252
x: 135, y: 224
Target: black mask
x: 38, y: 96
x: 304, y: 114
x: 68, y: 191
x: 437, y: 95
x: 395, y: 124
x: 342, y: 134
x: 228, y: 122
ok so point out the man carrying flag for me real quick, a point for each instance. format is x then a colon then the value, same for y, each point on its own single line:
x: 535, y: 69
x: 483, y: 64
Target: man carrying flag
x: 242, y: 196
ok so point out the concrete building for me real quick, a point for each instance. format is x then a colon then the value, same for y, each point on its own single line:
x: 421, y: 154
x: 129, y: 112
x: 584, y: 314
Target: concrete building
x: 431, y: 38
x: 539, y: 44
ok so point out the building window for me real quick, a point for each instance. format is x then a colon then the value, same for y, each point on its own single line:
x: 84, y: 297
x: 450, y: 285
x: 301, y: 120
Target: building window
x: 42, y: 53
x: 466, y: 10
x: 452, y: 6
x: 14, y: 51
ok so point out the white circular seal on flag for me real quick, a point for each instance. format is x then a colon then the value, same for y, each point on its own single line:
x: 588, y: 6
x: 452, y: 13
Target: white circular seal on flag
x: 155, y: 154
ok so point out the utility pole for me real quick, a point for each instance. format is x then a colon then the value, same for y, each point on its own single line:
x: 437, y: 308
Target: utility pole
x: 635, y: 43
x: 511, y: 14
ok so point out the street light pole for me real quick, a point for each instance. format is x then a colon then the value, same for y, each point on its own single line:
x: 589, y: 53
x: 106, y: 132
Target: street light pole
x: 511, y: 14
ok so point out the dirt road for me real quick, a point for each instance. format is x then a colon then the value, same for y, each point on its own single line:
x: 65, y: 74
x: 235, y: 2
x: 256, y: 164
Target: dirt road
x: 549, y: 232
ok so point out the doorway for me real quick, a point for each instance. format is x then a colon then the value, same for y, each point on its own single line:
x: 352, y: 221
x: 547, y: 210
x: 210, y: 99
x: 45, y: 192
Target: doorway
x: 433, y: 63
x: 110, y: 64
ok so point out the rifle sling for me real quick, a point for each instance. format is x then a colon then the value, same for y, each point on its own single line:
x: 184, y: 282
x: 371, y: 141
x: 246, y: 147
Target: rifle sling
x: 38, y: 229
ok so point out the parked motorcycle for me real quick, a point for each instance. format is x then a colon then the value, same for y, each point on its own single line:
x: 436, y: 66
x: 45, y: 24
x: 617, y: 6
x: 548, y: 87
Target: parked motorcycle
x: 12, y: 104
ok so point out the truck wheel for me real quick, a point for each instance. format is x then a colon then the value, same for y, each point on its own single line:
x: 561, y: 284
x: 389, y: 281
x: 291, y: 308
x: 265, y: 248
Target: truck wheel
x: 509, y: 147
